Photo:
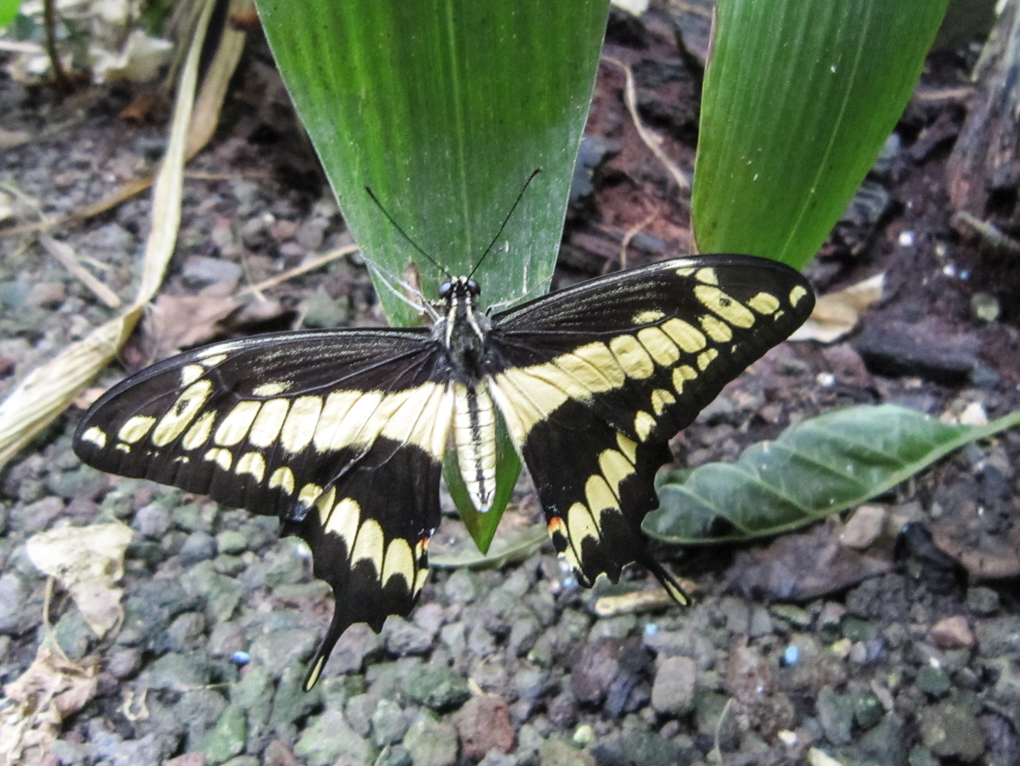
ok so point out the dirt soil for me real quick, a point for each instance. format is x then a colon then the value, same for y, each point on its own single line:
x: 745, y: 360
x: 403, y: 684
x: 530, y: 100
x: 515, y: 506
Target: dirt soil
x: 904, y: 652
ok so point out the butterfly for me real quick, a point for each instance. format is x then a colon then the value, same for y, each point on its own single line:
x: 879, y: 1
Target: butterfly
x: 342, y: 433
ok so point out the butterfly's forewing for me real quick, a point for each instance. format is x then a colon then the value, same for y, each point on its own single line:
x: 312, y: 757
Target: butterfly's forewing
x: 338, y: 433
x: 593, y: 381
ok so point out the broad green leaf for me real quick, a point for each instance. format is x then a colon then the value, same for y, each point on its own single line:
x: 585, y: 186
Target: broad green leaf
x: 8, y: 11
x: 799, y: 97
x: 815, y: 468
x: 444, y: 108
x: 482, y: 526
x: 517, y: 545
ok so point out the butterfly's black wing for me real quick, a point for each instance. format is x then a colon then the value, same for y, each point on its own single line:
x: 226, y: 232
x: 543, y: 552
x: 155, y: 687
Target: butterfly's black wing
x: 339, y: 433
x: 593, y: 381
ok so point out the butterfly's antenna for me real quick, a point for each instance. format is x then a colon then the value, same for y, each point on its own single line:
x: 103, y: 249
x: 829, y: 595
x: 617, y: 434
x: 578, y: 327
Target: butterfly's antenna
x: 407, y: 236
x: 517, y: 201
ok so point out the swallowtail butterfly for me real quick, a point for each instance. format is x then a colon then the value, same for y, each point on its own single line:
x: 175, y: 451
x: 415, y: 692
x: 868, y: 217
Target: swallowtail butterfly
x: 341, y: 433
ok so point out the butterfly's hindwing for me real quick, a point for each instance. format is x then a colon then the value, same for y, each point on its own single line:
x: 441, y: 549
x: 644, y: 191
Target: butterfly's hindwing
x: 593, y: 381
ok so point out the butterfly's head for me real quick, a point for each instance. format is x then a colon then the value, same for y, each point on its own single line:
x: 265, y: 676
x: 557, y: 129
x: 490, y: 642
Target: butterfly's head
x: 460, y: 287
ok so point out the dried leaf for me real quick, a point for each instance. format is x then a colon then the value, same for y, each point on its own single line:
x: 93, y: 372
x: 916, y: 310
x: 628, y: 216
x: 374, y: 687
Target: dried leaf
x: 182, y: 321
x: 837, y: 314
x: 87, y: 561
x: 48, y: 692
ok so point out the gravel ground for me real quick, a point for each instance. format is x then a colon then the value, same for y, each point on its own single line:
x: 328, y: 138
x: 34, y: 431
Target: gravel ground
x: 916, y: 664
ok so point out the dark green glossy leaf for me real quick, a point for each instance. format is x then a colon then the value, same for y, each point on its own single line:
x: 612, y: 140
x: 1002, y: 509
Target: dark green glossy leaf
x: 815, y: 468
x: 799, y: 97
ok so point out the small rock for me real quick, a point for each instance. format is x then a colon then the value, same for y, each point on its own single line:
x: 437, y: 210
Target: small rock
x: 388, y: 723
x: 358, y: 712
x: 608, y: 670
x: 186, y: 632
x: 14, y: 616
x: 188, y: 759
x: 562, y: 710
x: 227, y: 638
x: 199, y: 546
x: 437, y: 687
x: 555, y: 752
x: 231, y: 542
x: 864, y: 526
x: 483, y: 725
x: 36, y: 516
x: 932, y: 680
x: 836, y: 715
x: 330, y: 738
x: 358, y: 643
x: 462, y: 587
x: 47, y: 295
x: 175, y: 672
x: 431, y: 742
x: 404, y: 638
x: 227, y: 738
x: 73, y: 635
x: 999, y: 636
x: 278, y: 754
x: 394, y: 755
x: 281, y: 649
x: 646, y: 748
x: 123, y: 662
x: 949, y: 730
x: 429, y: 617
x: 201, y: 271
x: 673, y: 689
x: 983, y: 601
x: 952, y: 633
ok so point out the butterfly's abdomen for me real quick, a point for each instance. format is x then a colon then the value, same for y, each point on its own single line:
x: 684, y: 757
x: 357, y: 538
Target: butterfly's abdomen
x: 474, y: 437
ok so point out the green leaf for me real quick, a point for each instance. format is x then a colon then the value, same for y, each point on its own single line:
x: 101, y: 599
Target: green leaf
x: 508, y: 548
x: 815, y: 468
x: 482, y: 526
x: 444, y: 108
x: 799, y: 97
x: 8, y: 11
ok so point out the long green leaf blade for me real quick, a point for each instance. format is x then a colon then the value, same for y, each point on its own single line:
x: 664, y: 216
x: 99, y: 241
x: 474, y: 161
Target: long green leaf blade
x: 444, y: 108
x: 815, y: 468
x: 799, y: 97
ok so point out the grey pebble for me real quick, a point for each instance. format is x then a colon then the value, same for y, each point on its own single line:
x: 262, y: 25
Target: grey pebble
x: 437, y: 687
x: 281, y: 649
x: 431, y: 742
x: 673, y: 689
x: 199, y: 546
x: 329, y: 738
x: 389, y: 724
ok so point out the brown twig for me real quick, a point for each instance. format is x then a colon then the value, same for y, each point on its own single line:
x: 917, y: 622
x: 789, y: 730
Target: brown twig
x: 989, y: 232
x: 50, y: 21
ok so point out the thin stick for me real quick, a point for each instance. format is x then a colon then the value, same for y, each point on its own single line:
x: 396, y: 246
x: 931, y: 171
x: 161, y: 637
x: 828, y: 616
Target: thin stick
x: 66, y: 255
x: 649, y: 138
x: 311, y: 265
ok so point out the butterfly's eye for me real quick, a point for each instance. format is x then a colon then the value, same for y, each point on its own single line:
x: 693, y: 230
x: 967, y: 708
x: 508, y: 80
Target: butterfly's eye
x: 444, y: 289
x: 473, y: 287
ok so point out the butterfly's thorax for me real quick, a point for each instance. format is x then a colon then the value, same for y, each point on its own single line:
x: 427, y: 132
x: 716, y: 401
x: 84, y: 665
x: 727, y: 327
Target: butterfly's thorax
x: 464, y: 335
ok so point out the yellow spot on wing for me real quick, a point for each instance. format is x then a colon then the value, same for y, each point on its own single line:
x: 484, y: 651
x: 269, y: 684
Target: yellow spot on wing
x: 200, y: 431
x: 661, y: 399
x: 369, y: 545
x: 421, y: 579
x: 252, y: 463
x: 601, y: 358
x: 524, y: 401
x: 627, y: 446
x: 644, y: 423
x: 299, y: 426
x: 222, y: 457
x: 309, y: 494
x: 183, y: 411
x: 647, y: 317
x: 190, y: 373
x: 797, y: 295
x: 419, y: 416
x: 682, y: 374
x: 581, y: 524
x: 283, y: 478
x: 235, y: 425
x: 398, y: 561
x: 657, y: 343
x: 764, y: 303
x: 266, y: 428
x: 135, y: 428
x: 598, y: 495
x: 325, y: 505
x: 708, y: 276
x: 271, y: 389
x: 330, y: 428
x: 718, y: 331
x: 95, y: 435
x: 212, y: 361
x: 685, y: 335
x: 344, y: 521
x: 615, y: 468
x: 706, y: 358
x: 632, y: 357
x: 718, y: 302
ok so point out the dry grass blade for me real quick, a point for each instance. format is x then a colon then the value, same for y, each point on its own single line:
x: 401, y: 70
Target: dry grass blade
x: 47, y: 390
x: 65, y: 254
